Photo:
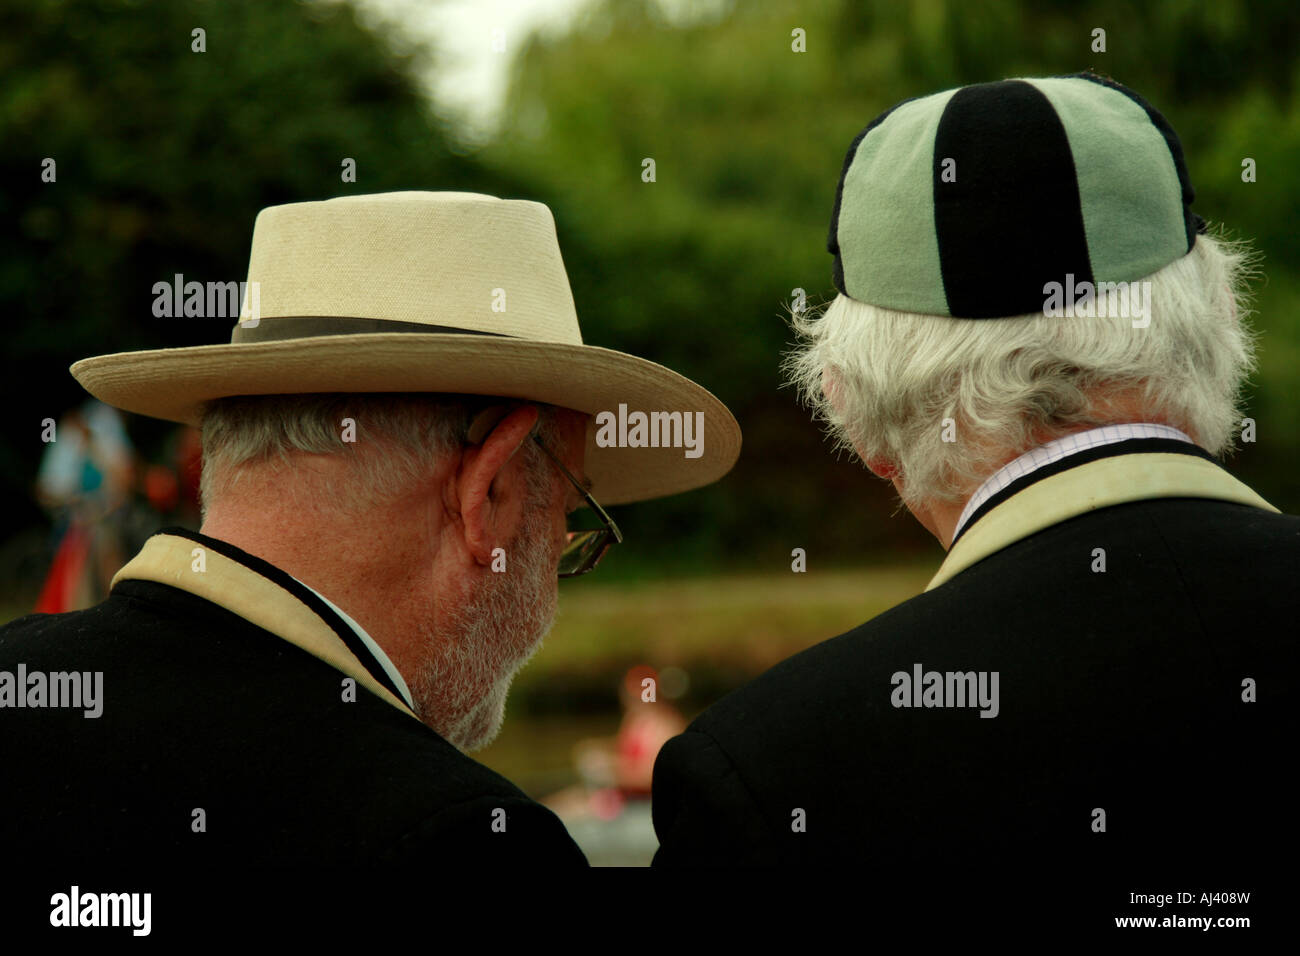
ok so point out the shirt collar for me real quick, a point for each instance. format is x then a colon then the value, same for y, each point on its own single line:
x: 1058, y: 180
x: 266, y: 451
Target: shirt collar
x: 1054, y: 451
x: 1093, y: 479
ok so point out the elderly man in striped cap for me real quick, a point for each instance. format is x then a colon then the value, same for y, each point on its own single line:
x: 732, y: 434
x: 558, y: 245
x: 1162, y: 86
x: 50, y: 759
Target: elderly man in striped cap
x: 1040, y: 345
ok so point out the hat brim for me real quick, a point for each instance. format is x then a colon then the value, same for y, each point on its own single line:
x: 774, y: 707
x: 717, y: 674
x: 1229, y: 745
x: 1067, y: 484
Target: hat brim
x: 173, y: 384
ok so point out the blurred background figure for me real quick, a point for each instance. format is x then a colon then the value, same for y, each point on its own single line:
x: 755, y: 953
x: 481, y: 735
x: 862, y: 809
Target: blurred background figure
x: 85, y: 480
x: 608, y: 812
x: 172, y: 489
x: 648, y: 724
x: 624, y: 763
x: 104, y: 500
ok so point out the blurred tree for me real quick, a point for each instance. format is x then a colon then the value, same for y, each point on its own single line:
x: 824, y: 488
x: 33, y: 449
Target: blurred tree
x: 748, y: 136
x: 164, y: 156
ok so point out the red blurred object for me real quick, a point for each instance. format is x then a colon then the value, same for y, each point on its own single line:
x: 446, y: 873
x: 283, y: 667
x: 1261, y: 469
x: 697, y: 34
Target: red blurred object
x: 161, y: 488
x: 648, y: 723
x: 607, y: 803
x: 189, y: 467
x: 59, y: 592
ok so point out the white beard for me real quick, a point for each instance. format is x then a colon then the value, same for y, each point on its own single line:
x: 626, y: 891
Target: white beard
x: 461, y: 687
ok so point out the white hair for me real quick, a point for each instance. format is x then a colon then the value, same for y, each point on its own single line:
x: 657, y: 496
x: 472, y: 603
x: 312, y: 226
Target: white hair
x: 399, y: 438
x: 1008, y: 385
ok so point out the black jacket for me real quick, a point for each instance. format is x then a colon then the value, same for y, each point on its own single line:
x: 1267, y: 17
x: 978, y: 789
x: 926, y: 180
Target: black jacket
x: 1119, y: 690
x: 205, y: 710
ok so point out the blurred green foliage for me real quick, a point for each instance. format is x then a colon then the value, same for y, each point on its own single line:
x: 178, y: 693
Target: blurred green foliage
x: 748, y: 139
x: 165, y: 156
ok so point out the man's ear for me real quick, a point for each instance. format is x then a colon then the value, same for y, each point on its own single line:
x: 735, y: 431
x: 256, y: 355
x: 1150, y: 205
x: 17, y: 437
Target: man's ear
x: 881, y: 468
x: 491, y: 494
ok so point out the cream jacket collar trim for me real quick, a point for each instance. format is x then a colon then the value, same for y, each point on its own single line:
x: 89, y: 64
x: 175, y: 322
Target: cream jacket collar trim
x: 1097, y: 484
x: 175, y: 561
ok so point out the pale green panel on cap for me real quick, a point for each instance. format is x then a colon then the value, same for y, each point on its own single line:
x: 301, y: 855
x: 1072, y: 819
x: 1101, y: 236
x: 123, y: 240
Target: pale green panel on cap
x: 888, y: 245
x: 1128, y: 184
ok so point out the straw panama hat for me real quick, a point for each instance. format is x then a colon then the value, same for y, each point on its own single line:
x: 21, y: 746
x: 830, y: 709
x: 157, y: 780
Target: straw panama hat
x: 394, y: 292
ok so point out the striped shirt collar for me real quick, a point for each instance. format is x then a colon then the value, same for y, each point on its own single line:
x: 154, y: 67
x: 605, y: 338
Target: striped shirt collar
x: 1055, y: 451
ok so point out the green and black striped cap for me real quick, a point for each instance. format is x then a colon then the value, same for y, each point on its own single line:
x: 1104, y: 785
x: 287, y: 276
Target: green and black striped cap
x: 967, y: 203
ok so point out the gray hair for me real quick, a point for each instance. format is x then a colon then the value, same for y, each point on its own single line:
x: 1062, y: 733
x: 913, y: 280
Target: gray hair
x: 400, y: 438
x: 1010, y: 384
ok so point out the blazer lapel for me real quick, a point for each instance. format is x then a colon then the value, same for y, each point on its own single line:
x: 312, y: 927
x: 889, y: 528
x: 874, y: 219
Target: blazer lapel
x: 171, y: 560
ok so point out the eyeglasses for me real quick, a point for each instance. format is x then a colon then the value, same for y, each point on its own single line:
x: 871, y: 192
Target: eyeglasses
x: 585, y: 548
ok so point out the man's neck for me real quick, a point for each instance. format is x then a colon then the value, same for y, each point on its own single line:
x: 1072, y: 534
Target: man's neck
x: 348, y: 568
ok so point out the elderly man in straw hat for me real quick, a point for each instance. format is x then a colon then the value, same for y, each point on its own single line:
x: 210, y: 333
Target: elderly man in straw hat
x: 1085, y: 691
x: 392, y: 444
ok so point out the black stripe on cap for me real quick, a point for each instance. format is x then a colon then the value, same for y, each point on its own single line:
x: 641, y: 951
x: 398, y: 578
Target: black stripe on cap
x: 833, y: 241
x: 1012, y: 221
x: 1191, y: 221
